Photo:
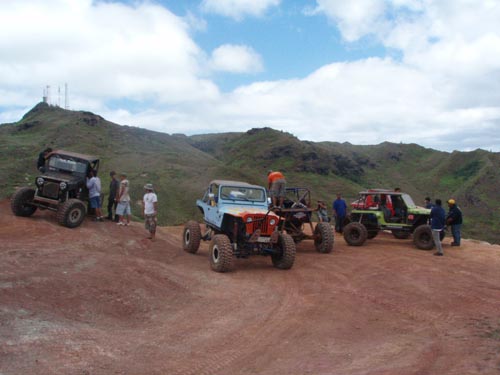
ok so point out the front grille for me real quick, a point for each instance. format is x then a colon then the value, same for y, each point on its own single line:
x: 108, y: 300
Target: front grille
x: 258, y: 222
x: 50, y: 190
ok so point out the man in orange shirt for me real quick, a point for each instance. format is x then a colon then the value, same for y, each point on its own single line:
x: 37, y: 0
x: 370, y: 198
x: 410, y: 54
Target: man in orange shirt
x: 277, y: 187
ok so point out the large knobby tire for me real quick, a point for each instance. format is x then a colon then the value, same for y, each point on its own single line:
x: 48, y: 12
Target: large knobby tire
x: 323, y: 238
x: 355, y: 234
x: 71, y: 213
x: 285, y: 257
x: 422, y: 237
x: 21, y: 202
x: 191, y: 237
x: 221, y: 253
x: 400, y: 234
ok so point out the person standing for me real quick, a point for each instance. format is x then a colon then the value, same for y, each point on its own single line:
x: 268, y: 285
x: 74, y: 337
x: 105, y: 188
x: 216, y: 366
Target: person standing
x: 322, y: 212
x: 123, y: 200
x: 42, y: 156
x: 454, y: 219
x: 150, y: 210
x: 340, y: 213
x: 94, y: 186
x: 114, y: 185
x: 427, y: 203
x: 277, y: 187
x: 438, y: 221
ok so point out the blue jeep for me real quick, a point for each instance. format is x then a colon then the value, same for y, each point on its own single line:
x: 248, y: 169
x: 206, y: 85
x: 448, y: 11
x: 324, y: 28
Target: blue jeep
x: 239, y: 224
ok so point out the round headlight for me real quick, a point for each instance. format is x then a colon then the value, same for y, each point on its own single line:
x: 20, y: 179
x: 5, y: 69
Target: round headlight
x: 249, y: 220
x: 272, y: 221
x: 40, y: 181
x: 63, y: 185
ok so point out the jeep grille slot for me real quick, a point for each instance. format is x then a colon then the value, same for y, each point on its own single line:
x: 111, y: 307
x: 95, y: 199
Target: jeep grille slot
x: 51, y: 190
x: 258, y: 222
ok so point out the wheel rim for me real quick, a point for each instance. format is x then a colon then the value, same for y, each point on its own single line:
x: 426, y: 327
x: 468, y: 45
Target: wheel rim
x: 354, y: 235
x: 74, y: 215
x: 187, y: 237
x: 215, y: 254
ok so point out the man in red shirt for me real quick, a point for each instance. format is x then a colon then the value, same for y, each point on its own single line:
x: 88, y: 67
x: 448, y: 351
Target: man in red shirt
x: 277, y: 187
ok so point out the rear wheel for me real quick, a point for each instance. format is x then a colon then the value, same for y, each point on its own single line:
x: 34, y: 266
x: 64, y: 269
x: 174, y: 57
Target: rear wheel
x: 221, y: 253
x: 191, y: 237
x: 323, y: 238
x: 21, y: 202
x: 355, y: 234
x: 285, y: 256
x: 422, y: 237
x: 71, y: 213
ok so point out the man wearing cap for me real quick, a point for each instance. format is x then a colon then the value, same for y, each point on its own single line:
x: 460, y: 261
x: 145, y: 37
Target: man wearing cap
x: 454, y: 219
x: 114, y: 185
x: 150, y: 210
x: 277, y: 187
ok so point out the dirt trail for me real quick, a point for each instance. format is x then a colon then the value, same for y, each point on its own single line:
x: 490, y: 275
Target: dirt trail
x: 102, y: 299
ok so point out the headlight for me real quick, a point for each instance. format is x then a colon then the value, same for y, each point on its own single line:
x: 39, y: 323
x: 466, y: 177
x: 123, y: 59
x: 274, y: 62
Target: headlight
x: 40, y: 181
x: 63, y: 185
x: 272, y: 221
x: 249, y: 220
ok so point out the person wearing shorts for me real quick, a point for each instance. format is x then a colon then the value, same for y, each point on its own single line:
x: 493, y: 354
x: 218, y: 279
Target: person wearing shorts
x: 150, y: 210
x: 94, y: 186
x: 123, y: 200
x: 277, y: 187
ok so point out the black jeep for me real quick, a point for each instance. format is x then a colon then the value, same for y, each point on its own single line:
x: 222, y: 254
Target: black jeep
x: 61, y: 188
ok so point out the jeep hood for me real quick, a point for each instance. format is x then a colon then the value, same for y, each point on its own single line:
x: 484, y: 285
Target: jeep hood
x: 242, y: 210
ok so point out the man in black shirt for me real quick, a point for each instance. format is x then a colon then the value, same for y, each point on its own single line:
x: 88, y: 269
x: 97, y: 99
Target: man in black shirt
x: 40, y: 164
x: 113, y: 191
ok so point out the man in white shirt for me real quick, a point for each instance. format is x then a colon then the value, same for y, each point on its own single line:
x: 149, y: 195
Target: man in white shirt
x: 94, y: 186
x: 150, y: 210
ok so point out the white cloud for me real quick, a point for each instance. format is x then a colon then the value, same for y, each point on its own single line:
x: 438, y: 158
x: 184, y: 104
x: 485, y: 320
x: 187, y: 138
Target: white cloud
x: 238, y: 9
x: 236, y: 59
x: 443, y: 92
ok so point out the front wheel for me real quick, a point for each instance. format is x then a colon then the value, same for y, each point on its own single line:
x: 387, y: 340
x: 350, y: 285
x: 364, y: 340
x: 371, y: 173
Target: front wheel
x: 422, y: 237
x: 323, y: 238
x: 71, y: 213
x: 21, y: 202
x: 285, y: 256
x: 355, y: 234
x: 191, y: 237
x: 221, y: 253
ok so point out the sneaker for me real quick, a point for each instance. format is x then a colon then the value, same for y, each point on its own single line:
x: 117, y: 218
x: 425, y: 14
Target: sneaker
x: 439, y: 254
x: 120, y: 223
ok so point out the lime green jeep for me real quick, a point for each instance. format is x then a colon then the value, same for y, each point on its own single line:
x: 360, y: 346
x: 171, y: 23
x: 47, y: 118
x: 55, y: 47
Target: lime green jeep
x: 385, y: 210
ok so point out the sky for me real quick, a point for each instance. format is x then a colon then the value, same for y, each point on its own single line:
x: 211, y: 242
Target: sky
x: 359, y: 71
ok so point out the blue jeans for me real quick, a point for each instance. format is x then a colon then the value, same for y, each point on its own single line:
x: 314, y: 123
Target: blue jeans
x: 455, y: 231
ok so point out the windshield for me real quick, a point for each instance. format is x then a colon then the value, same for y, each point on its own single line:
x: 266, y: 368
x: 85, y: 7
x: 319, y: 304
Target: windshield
x: 251, y: 194
x: 63, y: 163
x: 408, y: 200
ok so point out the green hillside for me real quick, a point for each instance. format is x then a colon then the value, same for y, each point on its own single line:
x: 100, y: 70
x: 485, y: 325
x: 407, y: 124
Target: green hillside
x: 181, y: 166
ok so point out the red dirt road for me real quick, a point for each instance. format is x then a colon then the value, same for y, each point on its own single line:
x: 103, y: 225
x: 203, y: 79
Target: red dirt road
x: 101, y: 299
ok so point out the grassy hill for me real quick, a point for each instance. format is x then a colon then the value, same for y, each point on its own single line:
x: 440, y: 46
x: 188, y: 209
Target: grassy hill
x: 181, y: 166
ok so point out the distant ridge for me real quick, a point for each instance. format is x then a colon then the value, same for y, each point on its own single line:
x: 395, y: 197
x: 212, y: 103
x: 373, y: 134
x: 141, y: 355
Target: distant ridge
x: 181, y: 166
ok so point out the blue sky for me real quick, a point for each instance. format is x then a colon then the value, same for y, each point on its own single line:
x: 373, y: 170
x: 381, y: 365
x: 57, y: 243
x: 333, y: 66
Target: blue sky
x: 364, y: 71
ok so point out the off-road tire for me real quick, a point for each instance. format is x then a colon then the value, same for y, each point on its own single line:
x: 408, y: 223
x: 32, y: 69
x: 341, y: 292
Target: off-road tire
x: 20, y: 203
x: 71, y: 213
x: 355, y: 234
x: 323, y: 238
x: 191, y: 237
x: 400, y: 234
x: 285, y: 257
x: 221, y: 253
x: 422, y: 237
